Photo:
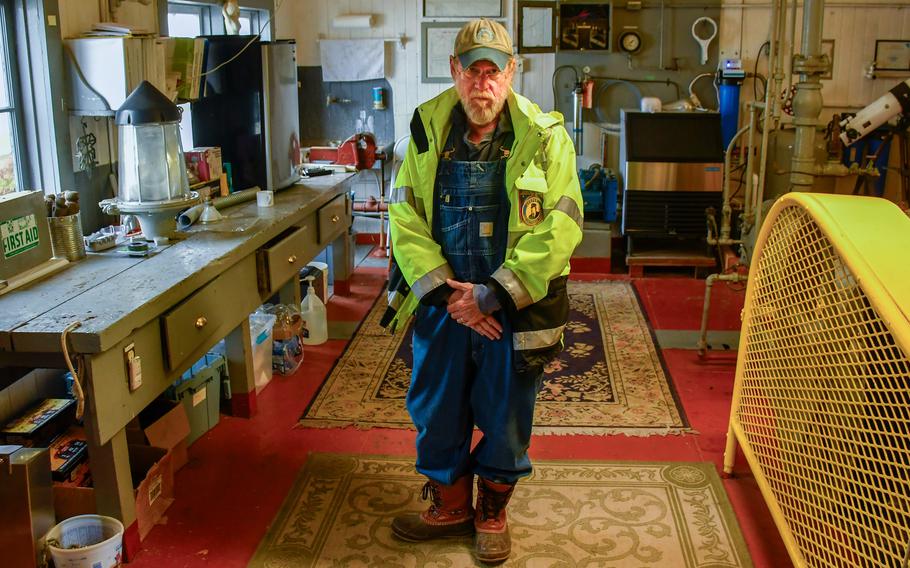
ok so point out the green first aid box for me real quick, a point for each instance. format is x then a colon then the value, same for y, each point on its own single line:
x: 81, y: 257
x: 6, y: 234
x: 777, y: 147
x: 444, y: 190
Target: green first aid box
x: 25, y: 240
x: 199, y: 390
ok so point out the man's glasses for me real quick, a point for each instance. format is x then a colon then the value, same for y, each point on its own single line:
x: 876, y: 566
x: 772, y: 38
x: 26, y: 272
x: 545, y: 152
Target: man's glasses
x: 474, y: 74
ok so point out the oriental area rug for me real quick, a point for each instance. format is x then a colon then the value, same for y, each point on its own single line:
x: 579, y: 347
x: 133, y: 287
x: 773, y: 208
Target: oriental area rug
x: 579, y: 513
x: 609, y: 378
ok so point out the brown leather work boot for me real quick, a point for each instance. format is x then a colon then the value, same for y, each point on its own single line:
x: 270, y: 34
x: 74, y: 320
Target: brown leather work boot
x: 450, y: 514
x: 492, y: 543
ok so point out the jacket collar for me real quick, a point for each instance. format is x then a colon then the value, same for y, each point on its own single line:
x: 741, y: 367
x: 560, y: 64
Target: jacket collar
x: 435, y: 113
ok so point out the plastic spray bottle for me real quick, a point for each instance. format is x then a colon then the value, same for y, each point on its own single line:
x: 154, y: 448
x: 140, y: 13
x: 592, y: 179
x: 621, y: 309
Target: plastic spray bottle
x: 312, y: 310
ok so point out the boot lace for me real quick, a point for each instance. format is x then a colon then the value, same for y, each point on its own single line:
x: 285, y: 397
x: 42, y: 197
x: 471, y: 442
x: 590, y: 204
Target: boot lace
x: 431, y: 491
x: 492, y: 502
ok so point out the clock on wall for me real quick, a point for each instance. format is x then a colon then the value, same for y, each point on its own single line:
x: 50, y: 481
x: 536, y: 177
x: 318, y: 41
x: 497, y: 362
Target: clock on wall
x: 630, y: 41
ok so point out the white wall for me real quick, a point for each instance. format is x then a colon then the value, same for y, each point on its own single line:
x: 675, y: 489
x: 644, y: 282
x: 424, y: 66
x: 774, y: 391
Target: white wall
x: 308, y: 20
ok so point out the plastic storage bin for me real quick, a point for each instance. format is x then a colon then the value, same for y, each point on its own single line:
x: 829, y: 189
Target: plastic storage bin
x: 261, y: 335
x: 199, y: 390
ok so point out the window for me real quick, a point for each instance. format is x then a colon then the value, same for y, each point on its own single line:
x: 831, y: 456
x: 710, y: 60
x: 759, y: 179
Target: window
x: 186, y: 20
x: 251, y: 21
x: 189, y: 19
x: 10, y: 121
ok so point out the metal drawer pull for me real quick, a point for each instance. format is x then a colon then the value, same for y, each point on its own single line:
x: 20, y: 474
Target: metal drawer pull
x: 292, y: 259
x: 200, y: 322
x: 335, y: 218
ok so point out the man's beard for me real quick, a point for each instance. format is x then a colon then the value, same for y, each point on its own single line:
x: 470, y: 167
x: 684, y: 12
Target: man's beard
x: 484, y: 110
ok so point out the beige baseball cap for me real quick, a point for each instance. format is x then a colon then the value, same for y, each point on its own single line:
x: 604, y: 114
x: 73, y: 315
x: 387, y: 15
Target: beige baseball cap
x: 483, y: 39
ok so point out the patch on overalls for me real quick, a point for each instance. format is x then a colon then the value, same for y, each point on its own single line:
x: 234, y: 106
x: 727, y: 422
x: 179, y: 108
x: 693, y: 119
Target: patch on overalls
x: 530, y: 207
x: 486, y: 229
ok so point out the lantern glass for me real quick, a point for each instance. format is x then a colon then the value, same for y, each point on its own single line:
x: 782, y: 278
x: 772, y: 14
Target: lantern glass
x: 151, y: 163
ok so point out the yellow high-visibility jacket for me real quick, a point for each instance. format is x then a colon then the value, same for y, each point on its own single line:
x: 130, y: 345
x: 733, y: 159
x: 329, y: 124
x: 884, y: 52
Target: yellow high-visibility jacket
x: 545, y: 220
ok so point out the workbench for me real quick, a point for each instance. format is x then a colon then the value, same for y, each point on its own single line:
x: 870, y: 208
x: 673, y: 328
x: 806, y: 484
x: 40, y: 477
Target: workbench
x: 170, y: 308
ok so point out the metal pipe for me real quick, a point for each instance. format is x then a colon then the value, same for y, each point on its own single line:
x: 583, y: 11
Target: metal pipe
x: 770, y: 99
x: 702, y: 345
x: 807, y: 103
x: 577, y: 125
x: 661, y: 62
x: 726, y: 209
x: 791, y: 47
x: 748, y: 197
x: 666, y: 82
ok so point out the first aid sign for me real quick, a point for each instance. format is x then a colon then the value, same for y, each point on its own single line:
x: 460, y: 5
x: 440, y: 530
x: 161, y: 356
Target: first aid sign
x: 18, y: 235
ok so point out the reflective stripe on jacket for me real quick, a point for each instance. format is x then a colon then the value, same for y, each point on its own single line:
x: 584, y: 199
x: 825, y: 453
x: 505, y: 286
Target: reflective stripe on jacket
x: 540, y: 174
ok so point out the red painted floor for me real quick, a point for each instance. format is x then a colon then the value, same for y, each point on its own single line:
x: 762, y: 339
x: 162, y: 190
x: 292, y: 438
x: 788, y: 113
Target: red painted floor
x: 240, y: 471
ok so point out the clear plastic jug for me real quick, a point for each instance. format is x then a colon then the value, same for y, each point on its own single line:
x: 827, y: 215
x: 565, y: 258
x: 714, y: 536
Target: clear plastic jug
x: 312, y: 310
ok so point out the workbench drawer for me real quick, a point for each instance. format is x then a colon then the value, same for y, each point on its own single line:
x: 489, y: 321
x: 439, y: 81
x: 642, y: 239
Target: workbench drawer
x: 332, y: 219
x: 283, y: 258
x: 203, y: 315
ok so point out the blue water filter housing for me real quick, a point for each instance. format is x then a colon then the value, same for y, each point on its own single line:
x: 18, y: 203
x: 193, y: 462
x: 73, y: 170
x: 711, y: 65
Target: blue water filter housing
x: 730, y: 79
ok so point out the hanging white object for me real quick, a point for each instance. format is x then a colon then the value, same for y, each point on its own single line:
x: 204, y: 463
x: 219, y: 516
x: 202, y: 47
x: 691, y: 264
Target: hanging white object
x: 353, y: 21
x: 704, y: 42
x: 313, y: 313
x: 230, y: 10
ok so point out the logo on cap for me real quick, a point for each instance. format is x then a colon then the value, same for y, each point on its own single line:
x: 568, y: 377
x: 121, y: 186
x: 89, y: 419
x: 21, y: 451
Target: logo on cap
x: 483, y: 35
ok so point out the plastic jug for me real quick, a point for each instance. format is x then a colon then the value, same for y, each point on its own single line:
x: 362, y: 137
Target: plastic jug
x: 312, y: 310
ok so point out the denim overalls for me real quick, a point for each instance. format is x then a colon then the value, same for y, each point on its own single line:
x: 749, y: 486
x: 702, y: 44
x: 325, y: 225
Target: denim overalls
x: 461, y: 378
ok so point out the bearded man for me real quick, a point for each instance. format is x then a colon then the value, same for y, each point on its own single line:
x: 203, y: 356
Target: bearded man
x: 485, y: 214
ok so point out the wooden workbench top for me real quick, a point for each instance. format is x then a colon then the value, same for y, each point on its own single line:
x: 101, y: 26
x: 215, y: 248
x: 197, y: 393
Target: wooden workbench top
x: 111, y: 295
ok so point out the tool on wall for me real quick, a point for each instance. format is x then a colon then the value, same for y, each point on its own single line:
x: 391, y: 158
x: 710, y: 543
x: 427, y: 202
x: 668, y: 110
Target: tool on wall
x: 704, y: 42
x: 359, y: 150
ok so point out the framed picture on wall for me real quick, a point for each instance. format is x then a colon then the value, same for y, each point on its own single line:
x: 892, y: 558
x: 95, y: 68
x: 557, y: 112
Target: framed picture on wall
x: 536, y: 27
x: 892, y: 55
x: 462, y: 8
x: 438, y: 39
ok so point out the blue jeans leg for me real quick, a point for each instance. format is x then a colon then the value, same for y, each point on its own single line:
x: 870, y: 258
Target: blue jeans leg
x: 439, y: 396
x: 503, y: 403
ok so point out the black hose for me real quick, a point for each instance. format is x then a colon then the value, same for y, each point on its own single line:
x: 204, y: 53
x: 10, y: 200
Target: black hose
x: 607, y: 83
x: 755, y: 73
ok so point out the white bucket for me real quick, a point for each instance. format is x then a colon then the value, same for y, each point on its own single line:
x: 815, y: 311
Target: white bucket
x: 99, y: 540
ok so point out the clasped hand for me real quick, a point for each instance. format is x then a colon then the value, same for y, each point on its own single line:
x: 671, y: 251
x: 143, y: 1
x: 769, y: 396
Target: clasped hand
x: 464, y: 309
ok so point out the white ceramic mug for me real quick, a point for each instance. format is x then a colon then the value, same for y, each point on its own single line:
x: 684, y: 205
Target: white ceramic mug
x: 265, y: 198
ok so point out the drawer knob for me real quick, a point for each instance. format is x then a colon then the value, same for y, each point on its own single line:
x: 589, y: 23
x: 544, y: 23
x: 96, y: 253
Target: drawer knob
x: 200, y: 322
x: 335, y: 218
x: 292, y: 259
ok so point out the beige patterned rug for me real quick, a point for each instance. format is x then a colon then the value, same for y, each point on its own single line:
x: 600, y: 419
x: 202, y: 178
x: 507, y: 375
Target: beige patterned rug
x: 608, y: 379
x: 565, y: 514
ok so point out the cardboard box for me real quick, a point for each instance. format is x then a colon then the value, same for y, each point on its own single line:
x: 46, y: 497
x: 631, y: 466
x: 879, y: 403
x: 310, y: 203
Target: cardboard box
x: 204, y: 162
x: 163, y: 424
x: 41, y: 423
x: 153, y: 480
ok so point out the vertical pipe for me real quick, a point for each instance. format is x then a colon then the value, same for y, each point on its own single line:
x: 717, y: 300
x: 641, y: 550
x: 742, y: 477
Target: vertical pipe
x: 726, y: 209
x: 807, y: 103
x: 791, y: 43
x: 661, y: 63
x: 748, y: 197
x: 577, y: 126
x: 774, y: 79
x: 702, y: 345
